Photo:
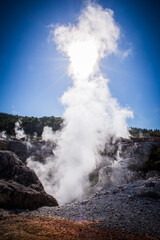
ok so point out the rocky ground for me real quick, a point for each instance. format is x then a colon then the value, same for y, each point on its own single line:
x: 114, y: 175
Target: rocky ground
x: 124, y: 207
x: 131, y: 209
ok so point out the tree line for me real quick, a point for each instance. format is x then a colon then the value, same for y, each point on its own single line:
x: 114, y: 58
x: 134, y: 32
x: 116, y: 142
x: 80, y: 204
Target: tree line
x: 32, y: 125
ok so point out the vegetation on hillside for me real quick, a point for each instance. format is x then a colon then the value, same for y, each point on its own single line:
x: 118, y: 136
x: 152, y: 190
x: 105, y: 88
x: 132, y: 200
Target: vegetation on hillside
x: 32, y: 125
x: 139, y: 132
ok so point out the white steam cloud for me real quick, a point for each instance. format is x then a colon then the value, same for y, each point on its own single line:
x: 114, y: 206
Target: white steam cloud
x: 91, y: 115
x: 47, y: 134
x: 19, y: 130
x: 3, y: 135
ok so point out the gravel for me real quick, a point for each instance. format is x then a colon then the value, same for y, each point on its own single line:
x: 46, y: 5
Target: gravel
x: 132, y: 208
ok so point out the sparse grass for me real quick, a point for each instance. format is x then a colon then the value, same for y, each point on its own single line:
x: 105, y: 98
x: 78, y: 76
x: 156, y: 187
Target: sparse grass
x: 49, y: 228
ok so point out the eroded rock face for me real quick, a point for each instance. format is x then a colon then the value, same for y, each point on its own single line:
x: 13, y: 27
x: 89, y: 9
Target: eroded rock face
x: 125, y: 161
x: 39, y: 150
x: 19, y: 186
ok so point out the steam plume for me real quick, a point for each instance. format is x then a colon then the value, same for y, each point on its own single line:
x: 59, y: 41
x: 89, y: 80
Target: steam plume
x: 19, y: 130
x: 91, y: 115
x: 3, y: 135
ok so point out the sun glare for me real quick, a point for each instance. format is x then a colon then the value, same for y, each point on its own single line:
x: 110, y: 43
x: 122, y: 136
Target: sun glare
x: 83, y: 58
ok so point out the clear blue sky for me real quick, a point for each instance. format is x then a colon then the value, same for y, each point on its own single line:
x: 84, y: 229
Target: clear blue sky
x: 33, y: 75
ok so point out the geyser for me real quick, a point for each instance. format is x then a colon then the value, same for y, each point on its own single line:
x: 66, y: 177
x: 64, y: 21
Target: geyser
x: 91, y: 115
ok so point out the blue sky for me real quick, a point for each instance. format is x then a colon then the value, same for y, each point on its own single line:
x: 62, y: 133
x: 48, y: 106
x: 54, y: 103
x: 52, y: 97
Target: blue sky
x: 33, y: 75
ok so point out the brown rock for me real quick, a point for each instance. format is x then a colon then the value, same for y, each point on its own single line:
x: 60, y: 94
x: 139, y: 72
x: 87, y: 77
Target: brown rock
x: 19, y: 186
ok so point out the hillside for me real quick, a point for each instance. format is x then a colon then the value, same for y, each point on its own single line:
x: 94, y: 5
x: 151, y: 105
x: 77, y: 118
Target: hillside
x: 32, y: 125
